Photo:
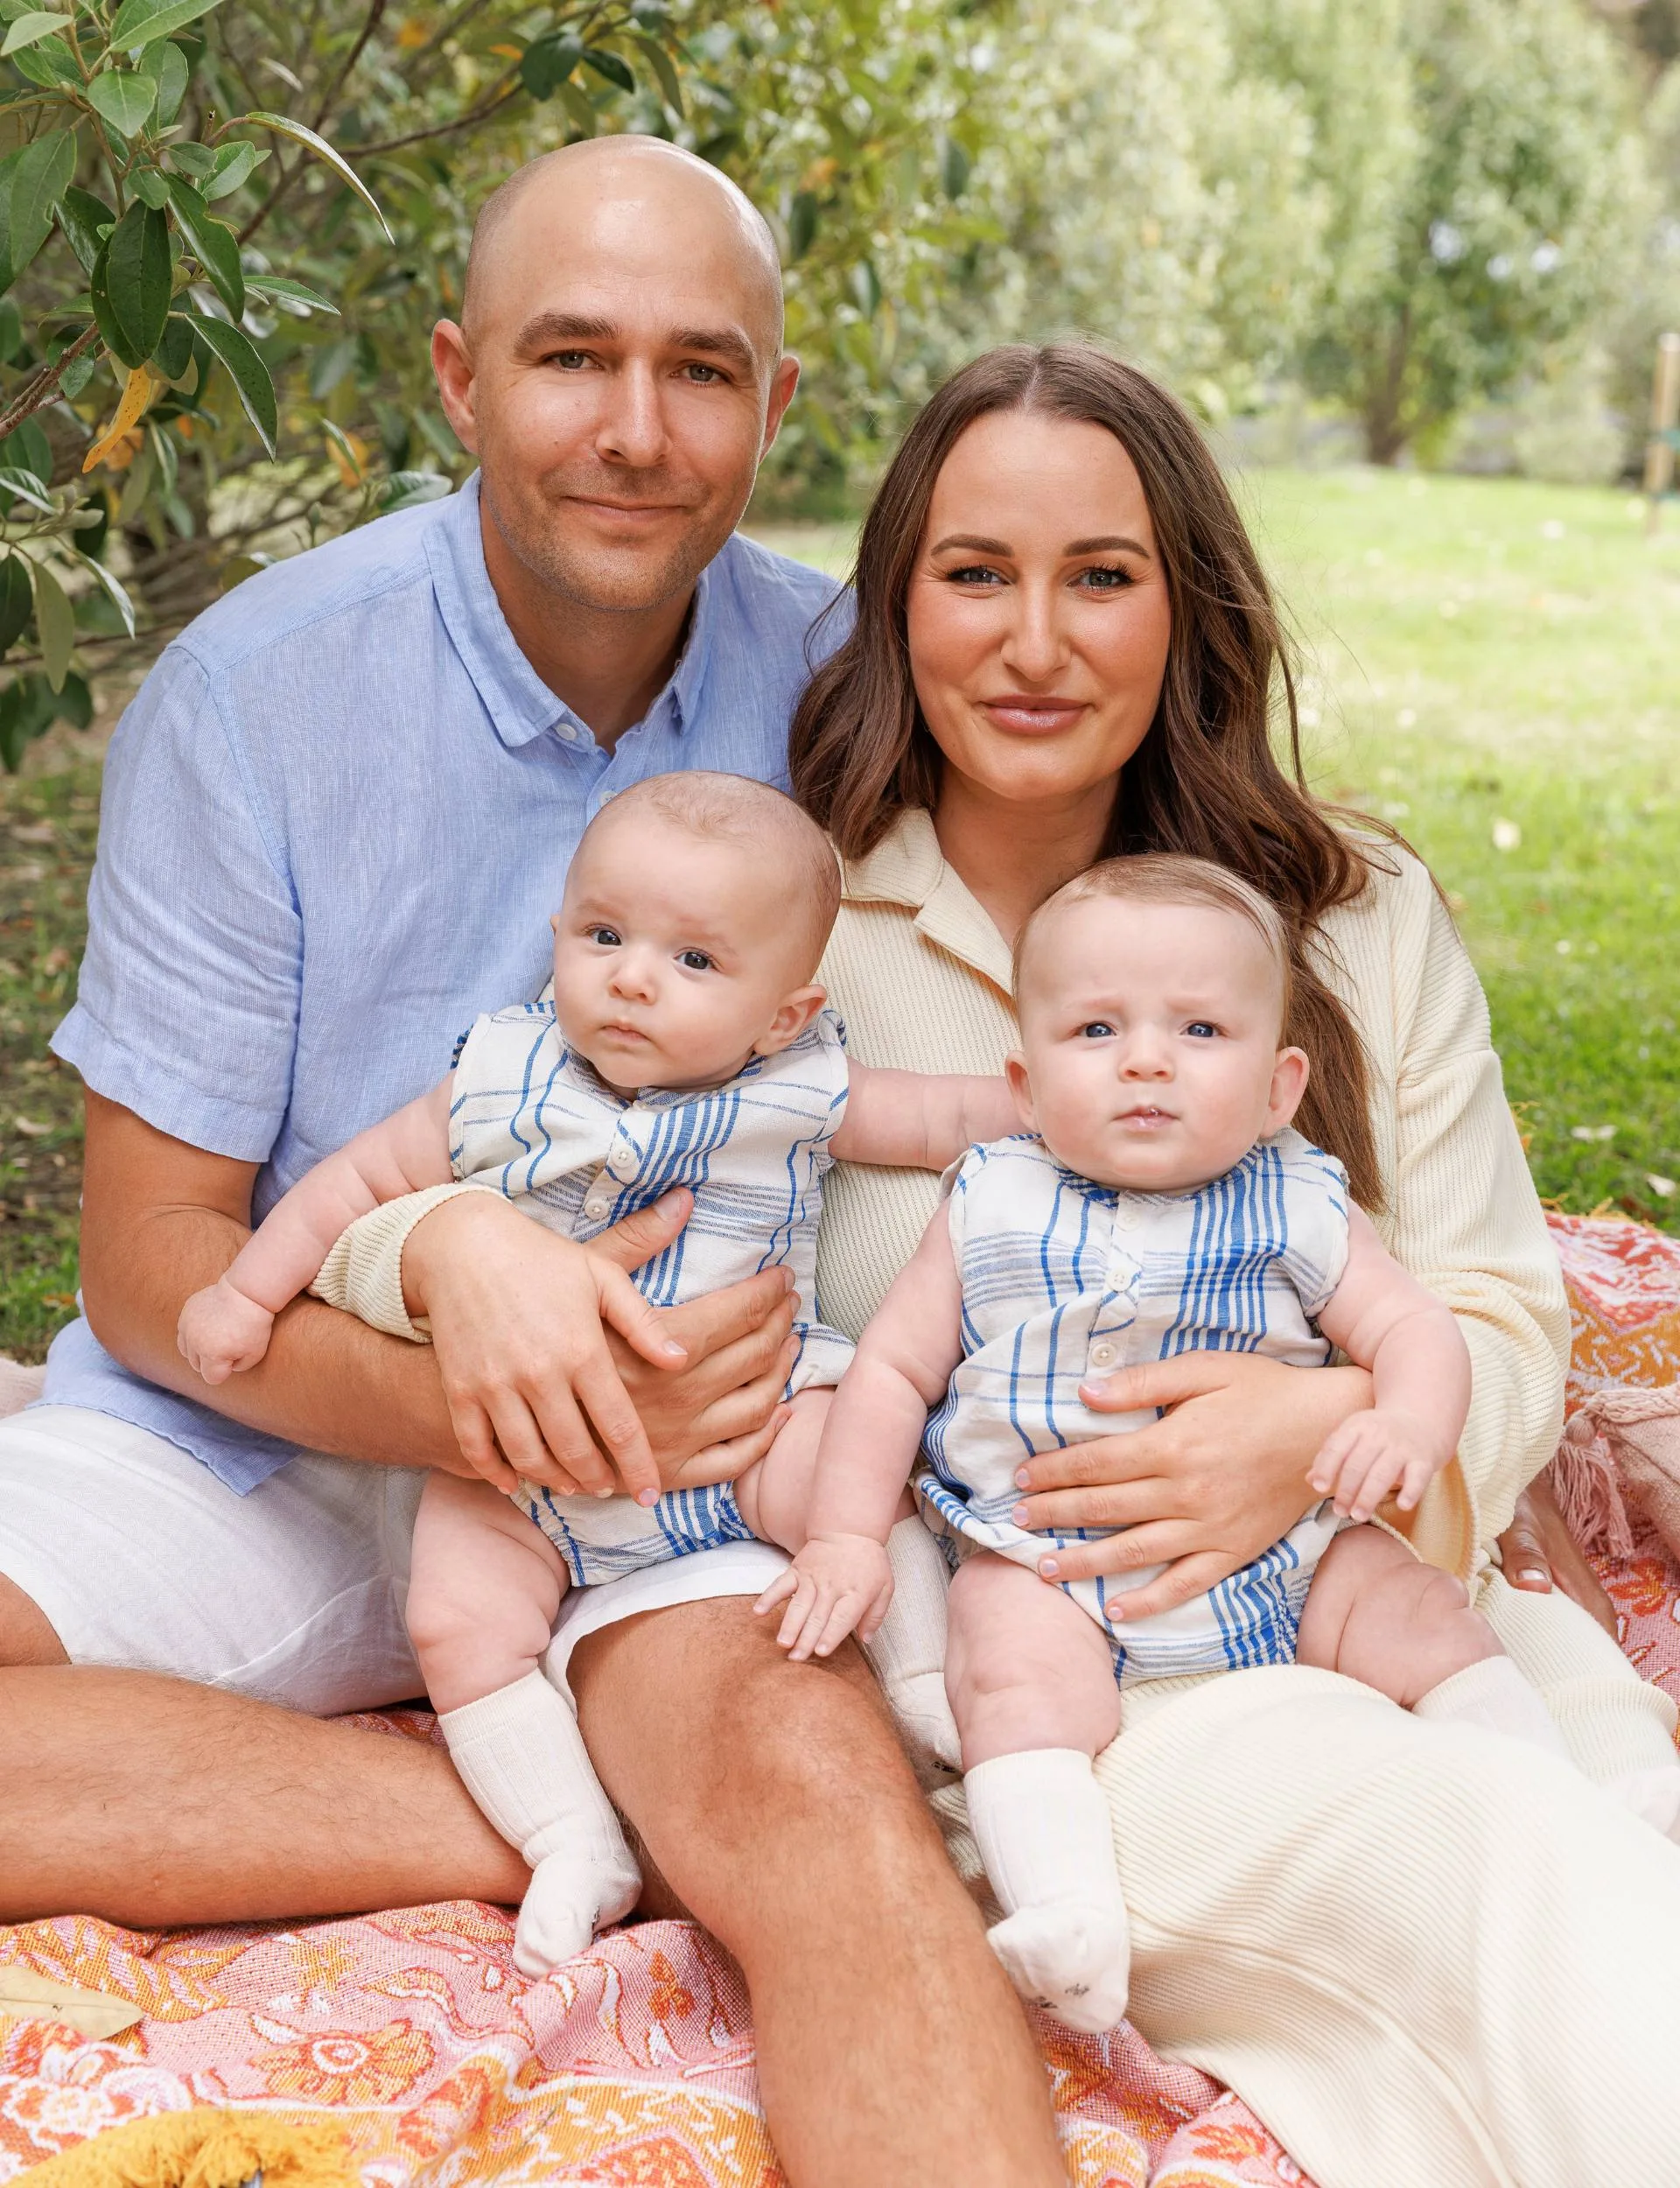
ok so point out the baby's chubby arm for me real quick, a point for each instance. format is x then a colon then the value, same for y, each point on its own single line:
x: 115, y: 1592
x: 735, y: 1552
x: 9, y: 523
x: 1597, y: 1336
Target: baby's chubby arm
x: 841, y: 1580
x: 224, y: 1329
x: 921, y: 1120
x: 1385, y: 1321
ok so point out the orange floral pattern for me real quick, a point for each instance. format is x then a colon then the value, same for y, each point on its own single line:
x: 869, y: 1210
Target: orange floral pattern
x: 632, y: 2066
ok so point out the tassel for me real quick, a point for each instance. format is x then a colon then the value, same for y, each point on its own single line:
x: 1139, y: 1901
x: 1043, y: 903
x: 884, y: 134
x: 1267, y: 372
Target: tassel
x: 205, y: 2148
x: 1588, y: 1489
x: 1622, y: 1444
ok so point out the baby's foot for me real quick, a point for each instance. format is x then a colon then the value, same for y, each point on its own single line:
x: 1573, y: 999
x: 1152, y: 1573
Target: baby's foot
x: 1071, y: 1956
x: 566, y: 1901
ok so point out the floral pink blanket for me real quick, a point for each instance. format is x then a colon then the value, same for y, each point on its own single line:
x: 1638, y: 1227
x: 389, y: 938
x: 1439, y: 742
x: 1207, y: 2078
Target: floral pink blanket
x: 634, y: 2065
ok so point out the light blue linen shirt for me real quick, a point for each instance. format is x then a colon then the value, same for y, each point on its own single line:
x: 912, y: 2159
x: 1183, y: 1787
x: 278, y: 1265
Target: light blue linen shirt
x: 336, y: 819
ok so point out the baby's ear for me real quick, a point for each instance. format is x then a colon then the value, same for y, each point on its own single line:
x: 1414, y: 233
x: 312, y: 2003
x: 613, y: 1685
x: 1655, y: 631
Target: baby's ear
x: 1021, y: 1087
x: 794, y: 1014
x: 554, y: 923
x: 1289, y: 1076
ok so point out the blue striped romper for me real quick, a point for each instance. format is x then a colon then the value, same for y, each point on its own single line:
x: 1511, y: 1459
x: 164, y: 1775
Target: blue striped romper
x: 531, y: 1121
x: 1064, y: 1280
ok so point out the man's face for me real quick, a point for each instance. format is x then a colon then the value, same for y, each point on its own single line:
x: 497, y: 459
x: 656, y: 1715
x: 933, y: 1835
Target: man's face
x: 619, y: 379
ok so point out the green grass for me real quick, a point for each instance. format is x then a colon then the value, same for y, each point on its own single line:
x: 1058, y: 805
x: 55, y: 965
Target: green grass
x: 1477, y: 652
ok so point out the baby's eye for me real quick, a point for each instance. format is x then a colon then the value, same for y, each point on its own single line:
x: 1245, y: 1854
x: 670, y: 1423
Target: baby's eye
x: 608, y: 937
x: 1098, y: 1029
x: 1201, y: 1029
x: 695, y: 961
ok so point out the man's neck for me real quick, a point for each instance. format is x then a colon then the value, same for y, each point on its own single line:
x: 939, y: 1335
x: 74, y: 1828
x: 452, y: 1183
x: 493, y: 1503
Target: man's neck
x: 1010, y: 857
x: 608, y: 666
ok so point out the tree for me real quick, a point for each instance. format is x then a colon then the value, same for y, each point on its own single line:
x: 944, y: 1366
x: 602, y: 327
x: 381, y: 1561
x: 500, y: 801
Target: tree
x: 212, y: 330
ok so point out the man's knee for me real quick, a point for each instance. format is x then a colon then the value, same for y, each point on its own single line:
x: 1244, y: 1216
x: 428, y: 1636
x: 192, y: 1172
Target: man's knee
x: 26, y: 1633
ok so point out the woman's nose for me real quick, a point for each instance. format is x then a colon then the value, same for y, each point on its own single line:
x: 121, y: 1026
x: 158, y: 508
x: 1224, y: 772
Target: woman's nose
x: 1035, y: 648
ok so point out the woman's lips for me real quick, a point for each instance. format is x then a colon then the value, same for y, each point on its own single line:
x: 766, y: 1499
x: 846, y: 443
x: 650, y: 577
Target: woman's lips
x: 1029, y: 716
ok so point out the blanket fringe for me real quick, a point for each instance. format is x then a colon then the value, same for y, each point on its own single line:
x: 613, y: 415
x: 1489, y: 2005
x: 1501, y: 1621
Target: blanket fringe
x: 1622, y: 1444
x: 203, y: 2149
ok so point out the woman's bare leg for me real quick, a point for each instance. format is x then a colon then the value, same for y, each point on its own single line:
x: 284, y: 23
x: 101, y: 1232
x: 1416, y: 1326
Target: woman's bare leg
x: 775, y: 1802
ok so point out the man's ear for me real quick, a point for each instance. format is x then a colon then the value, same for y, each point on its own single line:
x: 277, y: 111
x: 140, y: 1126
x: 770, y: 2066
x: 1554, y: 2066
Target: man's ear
x: 452, y: 366
x: 1020, y: 1086
x: 783, y: 380
x: 1289, y: 1078
x: 792, y: 1016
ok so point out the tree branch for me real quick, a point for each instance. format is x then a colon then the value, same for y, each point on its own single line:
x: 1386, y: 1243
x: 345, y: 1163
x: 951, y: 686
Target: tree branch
x: 506, y: 90
x: 370, y: 23
x: 36, y: 394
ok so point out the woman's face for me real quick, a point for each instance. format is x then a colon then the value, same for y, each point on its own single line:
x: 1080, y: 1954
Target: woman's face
x: 1038, y: 610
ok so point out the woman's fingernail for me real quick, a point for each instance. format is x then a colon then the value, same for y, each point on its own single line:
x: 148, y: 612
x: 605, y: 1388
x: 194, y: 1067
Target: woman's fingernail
x: 607, y: 1492
x: 1536, y: 1573
x: 1019, y: 1516
x: 1022, y: 1478
x: 675, y: 1351
x: 1049, y: 1567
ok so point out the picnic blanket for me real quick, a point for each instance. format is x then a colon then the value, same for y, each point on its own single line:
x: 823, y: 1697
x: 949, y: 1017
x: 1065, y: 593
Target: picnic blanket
x: 411, y: 2033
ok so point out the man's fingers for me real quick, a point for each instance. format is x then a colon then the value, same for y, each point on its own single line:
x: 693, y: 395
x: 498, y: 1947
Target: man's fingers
x: 637, y: 1322
x: 1117, y: 1505
x: 639, y: 1237
x: 477, y: 1443
x: 1157, y: 1542
x: 1157, y: 1383
x: 1189, y: 1576
x: 567, y: 1443
x: 618, y: 1425
x: 706, y: 1325
x: 728, y: 1462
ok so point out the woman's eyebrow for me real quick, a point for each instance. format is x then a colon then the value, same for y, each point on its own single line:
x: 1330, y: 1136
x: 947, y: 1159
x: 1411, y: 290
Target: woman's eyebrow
x: 974, y: 544
x: 1106, y: 546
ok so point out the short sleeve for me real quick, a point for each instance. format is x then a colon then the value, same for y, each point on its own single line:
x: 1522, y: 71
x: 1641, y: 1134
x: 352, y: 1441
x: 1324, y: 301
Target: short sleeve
x: 1315, y: 1200
x: 187, y: 1010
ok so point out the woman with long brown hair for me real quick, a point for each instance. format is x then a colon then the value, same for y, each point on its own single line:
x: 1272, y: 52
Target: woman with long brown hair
x: 1379, y: 1930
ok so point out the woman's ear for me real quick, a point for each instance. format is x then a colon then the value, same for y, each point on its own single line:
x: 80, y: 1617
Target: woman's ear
x: 794, y: 1014
x: 1020, y: 1087
x: 1289, y: 1076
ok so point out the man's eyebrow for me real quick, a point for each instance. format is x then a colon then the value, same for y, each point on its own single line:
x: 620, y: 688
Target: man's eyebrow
x: 564, y: 327
x: 716, y: 341
x: 573, y: 326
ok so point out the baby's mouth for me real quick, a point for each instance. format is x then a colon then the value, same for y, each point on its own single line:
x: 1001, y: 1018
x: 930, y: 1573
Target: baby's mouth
x: 1146, y: 1119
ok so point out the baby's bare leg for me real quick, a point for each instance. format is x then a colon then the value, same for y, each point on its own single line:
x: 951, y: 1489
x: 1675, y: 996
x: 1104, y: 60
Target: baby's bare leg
x: 1377, y: 1613
x: 774, y: 1493
x: 485, y: 1588
x: 1031, y: 1682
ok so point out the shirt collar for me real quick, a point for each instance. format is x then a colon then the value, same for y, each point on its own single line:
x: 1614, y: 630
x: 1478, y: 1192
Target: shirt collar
x: 520, y: 704
x: 907, y: 867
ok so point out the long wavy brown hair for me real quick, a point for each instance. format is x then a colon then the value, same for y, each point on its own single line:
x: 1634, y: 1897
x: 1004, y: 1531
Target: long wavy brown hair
x: 1205, y: 780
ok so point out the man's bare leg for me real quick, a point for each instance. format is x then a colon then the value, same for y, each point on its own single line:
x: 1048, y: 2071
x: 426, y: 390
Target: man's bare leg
x: 776, y: 1803
x: 153, y: 1802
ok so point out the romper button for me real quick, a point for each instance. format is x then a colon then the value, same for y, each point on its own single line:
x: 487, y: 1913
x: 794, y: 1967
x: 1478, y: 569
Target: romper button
x: 621, y: 1162
x: 597, y: 1206
x: 1103, y: 1353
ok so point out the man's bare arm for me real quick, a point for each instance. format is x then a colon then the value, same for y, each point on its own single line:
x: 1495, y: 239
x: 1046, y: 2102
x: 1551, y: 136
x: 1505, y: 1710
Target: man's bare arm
x: 162, y: 1219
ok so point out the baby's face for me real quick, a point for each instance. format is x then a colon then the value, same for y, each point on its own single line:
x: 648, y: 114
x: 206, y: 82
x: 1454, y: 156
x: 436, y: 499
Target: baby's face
x: 1150, y: 1056
x: 675, y: 959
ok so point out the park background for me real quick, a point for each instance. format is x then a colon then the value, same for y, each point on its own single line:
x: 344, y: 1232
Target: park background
x: 1408, y: 260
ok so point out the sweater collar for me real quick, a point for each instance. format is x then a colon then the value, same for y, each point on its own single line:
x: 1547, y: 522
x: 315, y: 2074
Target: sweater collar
x: 907, y: 867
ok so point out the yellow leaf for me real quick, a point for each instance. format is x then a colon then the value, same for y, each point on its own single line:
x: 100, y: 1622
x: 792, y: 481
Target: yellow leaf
x: 412, y: 34
x: 137, y: 393
x: 507, y: 53
x: 349, y: 454
x: 27, y: 1996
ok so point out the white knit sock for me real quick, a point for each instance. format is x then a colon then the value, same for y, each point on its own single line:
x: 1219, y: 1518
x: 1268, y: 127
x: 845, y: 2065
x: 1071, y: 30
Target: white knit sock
x: 1494, y: 1695
x: 1041, y: 1823
x: 520, y: 1755
x: 907, y: 1655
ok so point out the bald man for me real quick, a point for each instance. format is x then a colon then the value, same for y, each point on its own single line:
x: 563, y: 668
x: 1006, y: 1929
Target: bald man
x: 336, y: 819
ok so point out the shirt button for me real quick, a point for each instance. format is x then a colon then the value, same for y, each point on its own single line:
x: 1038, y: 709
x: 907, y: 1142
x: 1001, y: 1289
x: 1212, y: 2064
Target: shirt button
x: 1104, y: 1353
x: 1126, y: 1217
x: 621, y: 1162
x: 599, y: 1201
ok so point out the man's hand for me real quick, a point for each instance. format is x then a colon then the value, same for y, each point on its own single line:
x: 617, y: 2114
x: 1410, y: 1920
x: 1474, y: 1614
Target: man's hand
x: 1371, y: 1456
x: 1202, y: 1491
x: 507, y: 1320
x: 838, y: 1584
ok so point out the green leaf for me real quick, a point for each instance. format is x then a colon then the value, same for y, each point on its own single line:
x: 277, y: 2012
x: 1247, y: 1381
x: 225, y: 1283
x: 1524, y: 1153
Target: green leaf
x: 167, y: 66
x: 319, y: 145
x: 174, y: 353
x: 29, y: 29
x: 81, y: 215
x: 26, y: 487
x: 15, y: 598
x: 137, y: 278
x: 215, y: 246
x: 583, y: 115
x: 247, y: 371
x: 143, y: 22
x: 232, y: 166
x: 610, y: 66
x: 196, y: 160
x: 408, y: 489
x: 662, y: 65
x: 51, y: 64
x: 43, y: 172
x: 150, y: 187
x: 547, y: 62
x: 119, y: 599
x: 865, y: 285
x: 301, y: 300
x: 11, y: 331
x: 111, y: 331
x: 123, y: 101
x: 76, y: 706
x: 801, y: 224
x: 954, y: 166
x: 239, y: 567
x: 55, y: 624
x: 27, y: 447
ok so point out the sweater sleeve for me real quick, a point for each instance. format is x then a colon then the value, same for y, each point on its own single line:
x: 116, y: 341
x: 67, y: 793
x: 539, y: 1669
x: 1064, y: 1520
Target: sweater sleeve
x: 363, y: 1273
x: 1464, y: 1219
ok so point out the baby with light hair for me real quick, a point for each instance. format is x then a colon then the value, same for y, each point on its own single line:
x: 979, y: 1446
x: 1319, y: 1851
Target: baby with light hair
x: 1158, y: 1201
x: 687, y: 1043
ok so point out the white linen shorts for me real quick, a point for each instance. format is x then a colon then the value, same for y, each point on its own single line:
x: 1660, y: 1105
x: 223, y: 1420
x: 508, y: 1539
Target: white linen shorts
x: 141, y: 1559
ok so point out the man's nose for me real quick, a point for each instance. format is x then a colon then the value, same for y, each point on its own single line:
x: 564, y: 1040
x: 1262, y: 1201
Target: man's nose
x: 633, y: 429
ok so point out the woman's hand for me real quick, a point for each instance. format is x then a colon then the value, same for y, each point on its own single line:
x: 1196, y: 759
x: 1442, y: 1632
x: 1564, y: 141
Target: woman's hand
x: 511, y: 1329
x: 1202, y: 1491
x: 1537, y: 1554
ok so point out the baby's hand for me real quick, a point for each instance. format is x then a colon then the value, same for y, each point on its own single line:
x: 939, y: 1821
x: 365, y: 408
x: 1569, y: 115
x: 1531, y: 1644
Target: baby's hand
x: 840, y: 1584
x: 221, y: 1332
x: 1370, y: 1455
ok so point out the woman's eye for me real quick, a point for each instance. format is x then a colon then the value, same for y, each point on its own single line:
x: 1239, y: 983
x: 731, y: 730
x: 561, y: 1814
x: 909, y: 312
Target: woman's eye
x: 1099, y: 1029
x: 607, y: 937
x: 695, y: 961
x: 973, y: 573
x: 1199, y: 1029
x: 1106, y: 580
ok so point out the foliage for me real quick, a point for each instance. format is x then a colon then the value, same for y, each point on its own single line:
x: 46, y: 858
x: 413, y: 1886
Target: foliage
x: 213, y: 346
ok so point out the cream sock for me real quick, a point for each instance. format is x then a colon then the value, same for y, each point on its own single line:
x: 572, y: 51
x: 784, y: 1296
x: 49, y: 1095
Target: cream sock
x: 1041, y: 1823
x: 907, y: 1655
x: 1494, y: 1695
x: 520, y: 1755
